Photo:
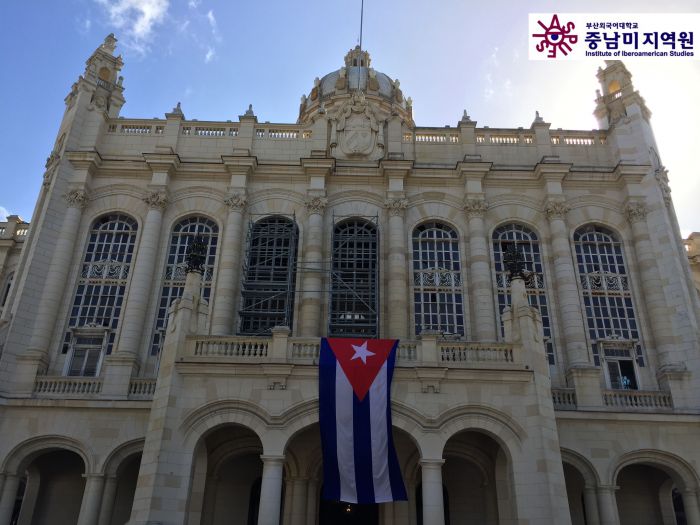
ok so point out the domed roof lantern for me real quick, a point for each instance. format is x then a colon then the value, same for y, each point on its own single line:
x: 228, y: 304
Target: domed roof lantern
x: 357, y: 57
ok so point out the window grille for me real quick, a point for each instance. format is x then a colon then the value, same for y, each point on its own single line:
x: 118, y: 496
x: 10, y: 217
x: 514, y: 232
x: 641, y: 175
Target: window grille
x: 526, y: 242
x: 437, y: 280
x: 103, y: 276
x: 354, y: 280
x: 174, y: 273
x: 267, y: 294
x: 607, y: 297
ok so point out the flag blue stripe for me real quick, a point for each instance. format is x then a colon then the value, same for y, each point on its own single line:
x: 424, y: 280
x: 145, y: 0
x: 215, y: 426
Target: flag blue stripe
x: 363, y: 450
x: 398, y: 490
x: 326, y: 386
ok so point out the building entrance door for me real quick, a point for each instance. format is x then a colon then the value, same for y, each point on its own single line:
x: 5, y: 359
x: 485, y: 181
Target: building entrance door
x: 339, y: 513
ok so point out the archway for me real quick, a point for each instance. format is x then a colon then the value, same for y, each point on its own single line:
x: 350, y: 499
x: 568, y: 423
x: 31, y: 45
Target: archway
x: 476, y: 480
x: 226, y: 477
x: 52, y: 490
x: 122, y: 499
x: 645, y: 497
x: 303, y: 504
x: 575, y: 485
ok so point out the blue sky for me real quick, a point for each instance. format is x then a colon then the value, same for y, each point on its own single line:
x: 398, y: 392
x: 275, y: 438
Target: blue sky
x: 216, y: 57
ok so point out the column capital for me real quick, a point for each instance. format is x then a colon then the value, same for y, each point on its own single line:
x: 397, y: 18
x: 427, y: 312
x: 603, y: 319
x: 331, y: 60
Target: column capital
x: 636, y: 211
x: 236, y: 201
x: 607, y: 488
x: 475, y: 206
x: 316, y: 205
x: 76, y: 199
x: 431, y: 463
x: 156, y: 200
x: 397, y: 206
x: 272, y: 459
x: 556, y: 209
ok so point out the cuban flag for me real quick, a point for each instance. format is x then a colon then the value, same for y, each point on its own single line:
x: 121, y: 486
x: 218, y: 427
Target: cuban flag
x: 359, y: 459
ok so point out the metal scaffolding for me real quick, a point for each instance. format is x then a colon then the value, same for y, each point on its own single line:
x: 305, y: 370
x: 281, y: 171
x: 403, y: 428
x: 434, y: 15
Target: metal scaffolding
x: 269, y: 275
x: 354, y: 278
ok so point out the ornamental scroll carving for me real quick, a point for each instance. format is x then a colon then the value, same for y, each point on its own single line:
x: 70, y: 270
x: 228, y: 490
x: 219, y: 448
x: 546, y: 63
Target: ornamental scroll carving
x: 636, y: 211
x: 396, y: 206
x: 475, y: 207
x: 236, y: 201
x: 556, y: 209
x: 316, y: 205
x: 156, y: 200
x: 76, y: 199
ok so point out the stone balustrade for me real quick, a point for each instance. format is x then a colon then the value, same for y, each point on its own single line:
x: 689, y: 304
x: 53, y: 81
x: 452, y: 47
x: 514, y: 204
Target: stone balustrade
x: 142, y: 388
x: 62, y: 386
x: 564, y: 398
x: 651, y: 400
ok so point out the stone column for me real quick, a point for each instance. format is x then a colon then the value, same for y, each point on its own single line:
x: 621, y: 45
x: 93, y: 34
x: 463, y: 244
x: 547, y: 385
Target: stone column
x: 568, y: 299
x: 8, y: 497
x: 312, y: 271
x: 92, y: 496
x: 57, y: 274
x: 480, y: 280
x: 607, y: 505
x: 433, y: 510
x: 231, y: 259
x: 299, y: 500
x: 652, y: 288
x: 590, y: 503
x: 271, y: 490
x: 312, y: 502
x: 108, y: 497
x: 690, y: 504
x: 397, y: 280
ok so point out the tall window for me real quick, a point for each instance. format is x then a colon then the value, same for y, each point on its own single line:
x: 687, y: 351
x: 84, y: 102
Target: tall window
x: 607, y: 299
x: 437, y: 280
x: 354, y: 280
x: 97, y: 304
x: 525, y: 240
x: 269, y: 275
x: 5, y: 291
x: 174, y: 278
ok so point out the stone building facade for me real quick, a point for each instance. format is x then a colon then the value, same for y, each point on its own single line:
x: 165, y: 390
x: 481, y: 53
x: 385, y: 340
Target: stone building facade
x: 134, y: 391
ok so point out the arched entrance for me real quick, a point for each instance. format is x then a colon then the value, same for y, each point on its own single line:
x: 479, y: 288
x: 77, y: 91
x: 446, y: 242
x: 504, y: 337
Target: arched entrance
x: 226, y: 478
x: 476, y: 480
x: 53, y: 489
x: 645, y: 497
x: 304, y: 483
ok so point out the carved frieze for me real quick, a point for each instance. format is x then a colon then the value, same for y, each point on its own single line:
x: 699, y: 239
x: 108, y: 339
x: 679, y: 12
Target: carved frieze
x: 156, y: 200
x: 636, y: 211
x: 236, y: 201
x: 316, y: 205
x: 356, y: 132
x: 396, y: 206
x: 76, y: 199
x: 475, y: 207
x: 556, y: 209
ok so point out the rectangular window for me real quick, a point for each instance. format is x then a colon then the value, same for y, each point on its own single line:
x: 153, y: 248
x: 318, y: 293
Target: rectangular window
x: 86, y: 357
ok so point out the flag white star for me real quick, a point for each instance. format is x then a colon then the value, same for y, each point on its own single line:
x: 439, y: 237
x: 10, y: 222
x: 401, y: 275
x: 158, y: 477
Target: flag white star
x: 361, y: 352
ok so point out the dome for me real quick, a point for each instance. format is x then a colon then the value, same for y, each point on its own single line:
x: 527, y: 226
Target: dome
x: 355, y: 75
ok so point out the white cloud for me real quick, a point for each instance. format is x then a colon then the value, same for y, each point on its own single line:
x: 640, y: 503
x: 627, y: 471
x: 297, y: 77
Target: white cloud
x: 209, y: 56
x: 3, y: 213
x: 136, y: 18
x: 212, y: 19
x: 194, y: 4
x: 183, y: 26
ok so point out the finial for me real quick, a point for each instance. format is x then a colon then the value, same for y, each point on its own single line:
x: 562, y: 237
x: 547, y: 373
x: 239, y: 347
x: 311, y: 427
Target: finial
x: 514, y: 262
x: 196, y: 255
x: 317, y: 81
x: 177, y: 110
x: 249, y: 112
x: 409, y: 102
x: 110, y: 43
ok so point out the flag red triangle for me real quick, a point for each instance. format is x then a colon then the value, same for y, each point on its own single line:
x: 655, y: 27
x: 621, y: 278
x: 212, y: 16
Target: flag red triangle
x: 361, y: 360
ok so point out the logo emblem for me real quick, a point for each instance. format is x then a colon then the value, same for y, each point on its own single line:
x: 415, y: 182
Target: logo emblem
x: 556, y: 38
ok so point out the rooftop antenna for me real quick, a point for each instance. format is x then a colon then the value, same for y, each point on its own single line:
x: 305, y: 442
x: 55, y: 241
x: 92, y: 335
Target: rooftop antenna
x: 359, y: 58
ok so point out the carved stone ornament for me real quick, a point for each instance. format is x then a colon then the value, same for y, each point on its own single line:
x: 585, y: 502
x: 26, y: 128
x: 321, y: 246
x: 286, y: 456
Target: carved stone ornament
x: 661, y: 176
x: 316, y: 205
x: 355, y: 131
x: 236, y: 201
x: 396, y: 206
x: 556, y: 209
x: 76, y: 199
x: 475, y: 207
x: 636, y: 211
x: 156, y: 200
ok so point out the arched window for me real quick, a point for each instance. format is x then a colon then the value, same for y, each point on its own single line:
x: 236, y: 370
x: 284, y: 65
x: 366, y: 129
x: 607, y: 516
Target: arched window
x: 354, y: 280
x: 174, y: 275
x: 525, y: 240
x: 5, y: 291
x: 437, y: 280
x: 97, y: 304
x: 607, y: 300
x: 269, y: 275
